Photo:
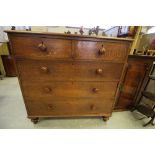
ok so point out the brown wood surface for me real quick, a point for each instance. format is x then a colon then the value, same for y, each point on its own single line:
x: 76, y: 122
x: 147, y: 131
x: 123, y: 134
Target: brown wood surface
x: 69, y: 107
x: 68, y: 75
x: 113, y: 51
x: 68, y: 49
x: 9, y: 65
x: 69, y: 71
x: 29, y: 47
x: 53, y: 89
x: 138, y: 68
x: 32, y: 33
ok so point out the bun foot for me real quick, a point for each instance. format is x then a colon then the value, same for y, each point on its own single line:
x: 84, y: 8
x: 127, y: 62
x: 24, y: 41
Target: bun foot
x: 35, y: 120
x: 105, y: 118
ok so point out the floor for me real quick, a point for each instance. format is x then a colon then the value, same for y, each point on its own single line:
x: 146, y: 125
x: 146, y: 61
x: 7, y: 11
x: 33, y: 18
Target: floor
x: 13, y: 114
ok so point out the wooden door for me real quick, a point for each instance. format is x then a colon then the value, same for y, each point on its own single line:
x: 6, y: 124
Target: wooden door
x: 138, y: 68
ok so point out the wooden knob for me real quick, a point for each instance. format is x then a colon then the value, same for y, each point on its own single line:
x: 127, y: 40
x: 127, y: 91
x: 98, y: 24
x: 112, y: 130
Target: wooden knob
x: 50, y: 107
x: 44, y: 69
x: 47, y: 89
x: 101, y: 50
x: 99, y: 71
x: 42, y: 47
x: 95, y: 90
x: 92, y: 107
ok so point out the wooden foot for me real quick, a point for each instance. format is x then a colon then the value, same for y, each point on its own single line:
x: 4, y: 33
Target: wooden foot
x: 105, y: 118
x: 35, y: 120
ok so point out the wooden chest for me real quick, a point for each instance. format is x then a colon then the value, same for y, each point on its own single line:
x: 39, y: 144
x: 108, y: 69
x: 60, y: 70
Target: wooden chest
x: 68, y: 75
x: 137, y: 71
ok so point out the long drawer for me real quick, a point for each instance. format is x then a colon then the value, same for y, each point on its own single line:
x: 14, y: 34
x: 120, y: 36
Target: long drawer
x: 69, y: 107
x: 69, y: 70
x: 51, y: 89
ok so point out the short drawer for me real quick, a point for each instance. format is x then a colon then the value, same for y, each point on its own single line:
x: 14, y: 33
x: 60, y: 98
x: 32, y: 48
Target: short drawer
x: 37, y: 47
x: 69, y: 71
x: 49, y: 89
x: 69, y: 107
x: 105, y: 50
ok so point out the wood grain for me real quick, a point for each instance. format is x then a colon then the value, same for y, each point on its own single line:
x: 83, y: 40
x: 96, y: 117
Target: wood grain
x: 69, y: 107
x: 68, y: 75
x: 49, y: 89
x: 91, y: 50
x: 69, y: 71
x: 29, y: 47
x: 138, y: 68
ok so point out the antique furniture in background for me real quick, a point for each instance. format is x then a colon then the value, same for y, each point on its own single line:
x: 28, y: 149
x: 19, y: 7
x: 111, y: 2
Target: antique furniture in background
x: 147, y: 108
x: 65, y: 75
x: 145, y: 44
x: 127, y: 31
x: 121, y: 31
x: 7, y: 63
x: 115, y: 31
x: 138, y: 68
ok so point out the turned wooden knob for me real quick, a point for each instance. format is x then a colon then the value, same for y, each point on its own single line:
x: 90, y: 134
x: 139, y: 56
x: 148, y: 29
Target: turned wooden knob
x: 42, y: 47
x: 47, y: 89
x: 95, y: 90
x: 92, y: 107
x: 101, y: 50
x: 50, y: 107
x: 44, y: 69
x: 99, y: 71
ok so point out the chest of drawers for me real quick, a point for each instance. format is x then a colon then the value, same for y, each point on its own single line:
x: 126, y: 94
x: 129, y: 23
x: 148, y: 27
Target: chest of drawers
x: 68, y: 75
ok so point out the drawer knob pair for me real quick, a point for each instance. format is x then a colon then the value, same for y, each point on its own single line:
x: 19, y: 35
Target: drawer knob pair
x: 102, y: 50
x: 42, y: 47
x: 99, y: 71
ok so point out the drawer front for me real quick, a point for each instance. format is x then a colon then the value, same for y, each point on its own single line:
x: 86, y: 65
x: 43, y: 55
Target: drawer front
x: 69, y: 71
x: 110, y: 51
x: 37, y: 47
x: 69, y: 107
x: 48, y: 89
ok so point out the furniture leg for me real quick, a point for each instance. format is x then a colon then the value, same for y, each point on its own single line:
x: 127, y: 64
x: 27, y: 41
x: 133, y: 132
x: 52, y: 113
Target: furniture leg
x: 105, y: 118
x: 35, y: 120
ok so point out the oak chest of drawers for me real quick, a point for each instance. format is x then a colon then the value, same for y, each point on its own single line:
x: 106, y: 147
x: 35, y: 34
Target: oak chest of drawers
x: 68, y: 75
